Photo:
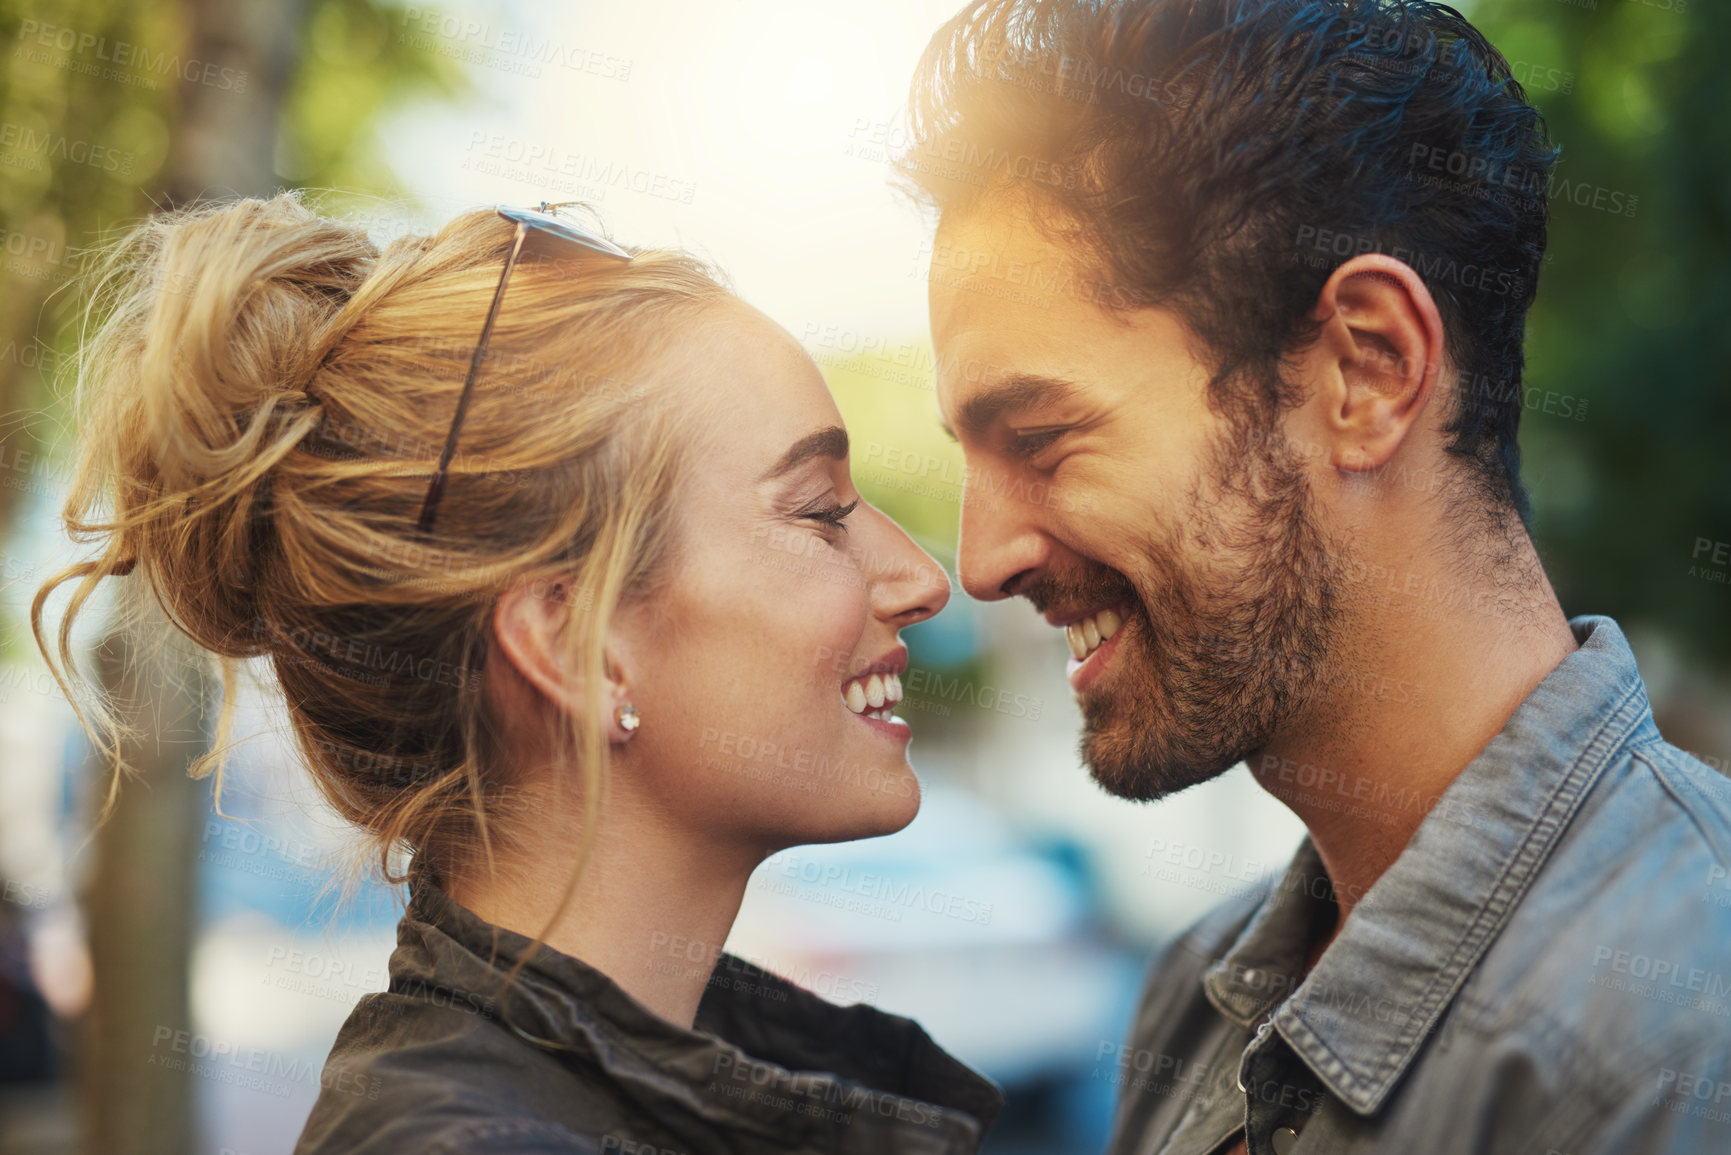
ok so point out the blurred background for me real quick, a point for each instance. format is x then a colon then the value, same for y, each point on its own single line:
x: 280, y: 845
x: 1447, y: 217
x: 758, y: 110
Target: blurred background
x: 172, y: 981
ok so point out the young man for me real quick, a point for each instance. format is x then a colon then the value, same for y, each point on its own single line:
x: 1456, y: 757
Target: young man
x: 1228, y: 299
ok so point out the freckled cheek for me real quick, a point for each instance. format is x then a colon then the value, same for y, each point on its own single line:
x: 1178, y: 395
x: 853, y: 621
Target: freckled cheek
x: 780, y: 642
x: 823, y: 624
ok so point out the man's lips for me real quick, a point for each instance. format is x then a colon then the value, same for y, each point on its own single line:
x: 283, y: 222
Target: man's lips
x: 1088, y: 630
x: 1098, y: 607
x: 1087, y: 666
x: 1062, y: 618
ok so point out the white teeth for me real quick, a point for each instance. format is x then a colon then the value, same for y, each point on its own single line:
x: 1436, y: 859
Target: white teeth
x: 1086, y: 635
x: 874, y: 696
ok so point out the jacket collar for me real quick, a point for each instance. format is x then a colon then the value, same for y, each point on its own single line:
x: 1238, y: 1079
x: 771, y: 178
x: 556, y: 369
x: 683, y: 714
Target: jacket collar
x: 1361, y: 1014
x: 767, y: 1058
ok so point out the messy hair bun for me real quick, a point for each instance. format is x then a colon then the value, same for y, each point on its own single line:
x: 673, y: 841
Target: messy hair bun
x: 216, y: 319
x: 260, y: 407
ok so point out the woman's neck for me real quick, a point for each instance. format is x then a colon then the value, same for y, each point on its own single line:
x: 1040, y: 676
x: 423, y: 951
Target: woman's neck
x: 651, y: 910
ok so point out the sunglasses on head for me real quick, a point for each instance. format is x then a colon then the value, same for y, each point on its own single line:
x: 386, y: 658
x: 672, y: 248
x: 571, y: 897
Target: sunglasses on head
x: 559, y: 232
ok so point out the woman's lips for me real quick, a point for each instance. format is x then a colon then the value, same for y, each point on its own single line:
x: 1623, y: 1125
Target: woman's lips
x: 872, y: 698
x: 891, y: 727
x: 873, y: 695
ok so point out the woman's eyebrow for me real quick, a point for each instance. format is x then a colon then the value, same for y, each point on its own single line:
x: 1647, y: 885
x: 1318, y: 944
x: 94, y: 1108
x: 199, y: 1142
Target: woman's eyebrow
x: 828, y: 442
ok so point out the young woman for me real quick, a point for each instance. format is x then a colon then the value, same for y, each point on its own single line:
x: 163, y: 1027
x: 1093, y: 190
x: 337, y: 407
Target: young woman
x: 586, y: 619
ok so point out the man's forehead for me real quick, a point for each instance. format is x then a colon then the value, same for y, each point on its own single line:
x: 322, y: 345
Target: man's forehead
x: 1003, y: 213
x: 993, y: 250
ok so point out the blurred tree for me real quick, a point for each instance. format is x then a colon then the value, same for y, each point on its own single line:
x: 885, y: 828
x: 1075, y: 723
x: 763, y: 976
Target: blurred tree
x: 110, y: 107
x: 1631, y: 310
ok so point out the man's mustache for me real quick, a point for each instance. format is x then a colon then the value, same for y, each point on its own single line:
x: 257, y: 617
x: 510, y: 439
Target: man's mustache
x: 1094, y: 586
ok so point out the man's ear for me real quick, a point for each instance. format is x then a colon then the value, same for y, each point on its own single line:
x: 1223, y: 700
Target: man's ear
x: 1377, y: 361
x: 529, y: 622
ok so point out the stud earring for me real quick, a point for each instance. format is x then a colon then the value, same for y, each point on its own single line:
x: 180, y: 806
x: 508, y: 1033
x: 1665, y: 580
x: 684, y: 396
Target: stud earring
x: 628, y: 718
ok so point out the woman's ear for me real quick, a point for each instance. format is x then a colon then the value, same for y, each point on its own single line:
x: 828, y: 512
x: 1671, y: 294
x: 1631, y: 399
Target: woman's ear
x: 529, y: 622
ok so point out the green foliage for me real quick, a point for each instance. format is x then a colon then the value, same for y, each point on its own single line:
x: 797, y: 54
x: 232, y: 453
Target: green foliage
x: 902, y: 462
x: 1631, y: 311
x: 89, y: 95
x: 357, y: 63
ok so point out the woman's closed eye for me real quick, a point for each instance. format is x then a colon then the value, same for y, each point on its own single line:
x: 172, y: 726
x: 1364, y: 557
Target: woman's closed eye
x: 831, y: 514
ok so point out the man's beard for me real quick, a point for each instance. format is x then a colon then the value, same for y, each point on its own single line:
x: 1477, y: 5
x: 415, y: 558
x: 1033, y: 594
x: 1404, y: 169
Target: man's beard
x: 1228, y: 631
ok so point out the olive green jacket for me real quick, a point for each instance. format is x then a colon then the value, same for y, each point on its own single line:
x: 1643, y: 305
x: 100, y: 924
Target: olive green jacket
x: 566, y: 1061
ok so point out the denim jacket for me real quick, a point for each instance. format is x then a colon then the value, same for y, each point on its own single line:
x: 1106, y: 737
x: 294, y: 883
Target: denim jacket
x: 1545, y: 969
x: 566, y: 1061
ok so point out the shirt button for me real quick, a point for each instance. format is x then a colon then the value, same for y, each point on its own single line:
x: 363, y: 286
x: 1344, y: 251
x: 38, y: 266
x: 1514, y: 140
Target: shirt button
x: 1285, y: 1139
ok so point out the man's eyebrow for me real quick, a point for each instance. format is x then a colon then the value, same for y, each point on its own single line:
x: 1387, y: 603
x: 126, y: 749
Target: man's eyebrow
x: 830, y: 442
x: 1015, y: 391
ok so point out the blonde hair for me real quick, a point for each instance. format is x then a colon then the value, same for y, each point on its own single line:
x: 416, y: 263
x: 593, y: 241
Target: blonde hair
x: 260, y: 410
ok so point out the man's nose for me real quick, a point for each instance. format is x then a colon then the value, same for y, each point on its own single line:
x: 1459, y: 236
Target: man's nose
x: 997, y: 545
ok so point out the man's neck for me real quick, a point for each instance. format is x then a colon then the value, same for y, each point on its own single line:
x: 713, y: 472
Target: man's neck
x: 1428, y: 672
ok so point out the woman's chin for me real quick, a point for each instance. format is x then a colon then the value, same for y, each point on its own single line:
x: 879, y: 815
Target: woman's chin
x: 869, y: 808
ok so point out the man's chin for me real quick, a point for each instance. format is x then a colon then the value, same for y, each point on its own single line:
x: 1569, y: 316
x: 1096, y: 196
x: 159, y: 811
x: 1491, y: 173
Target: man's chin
x: 1135, y: 771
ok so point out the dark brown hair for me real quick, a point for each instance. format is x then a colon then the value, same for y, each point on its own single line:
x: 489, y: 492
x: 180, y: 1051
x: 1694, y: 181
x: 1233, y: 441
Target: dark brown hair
x: 1223, y: 157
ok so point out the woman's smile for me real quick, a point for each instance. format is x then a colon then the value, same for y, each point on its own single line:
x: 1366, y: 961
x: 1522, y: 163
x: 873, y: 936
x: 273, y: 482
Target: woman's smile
x: 872, y: 694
